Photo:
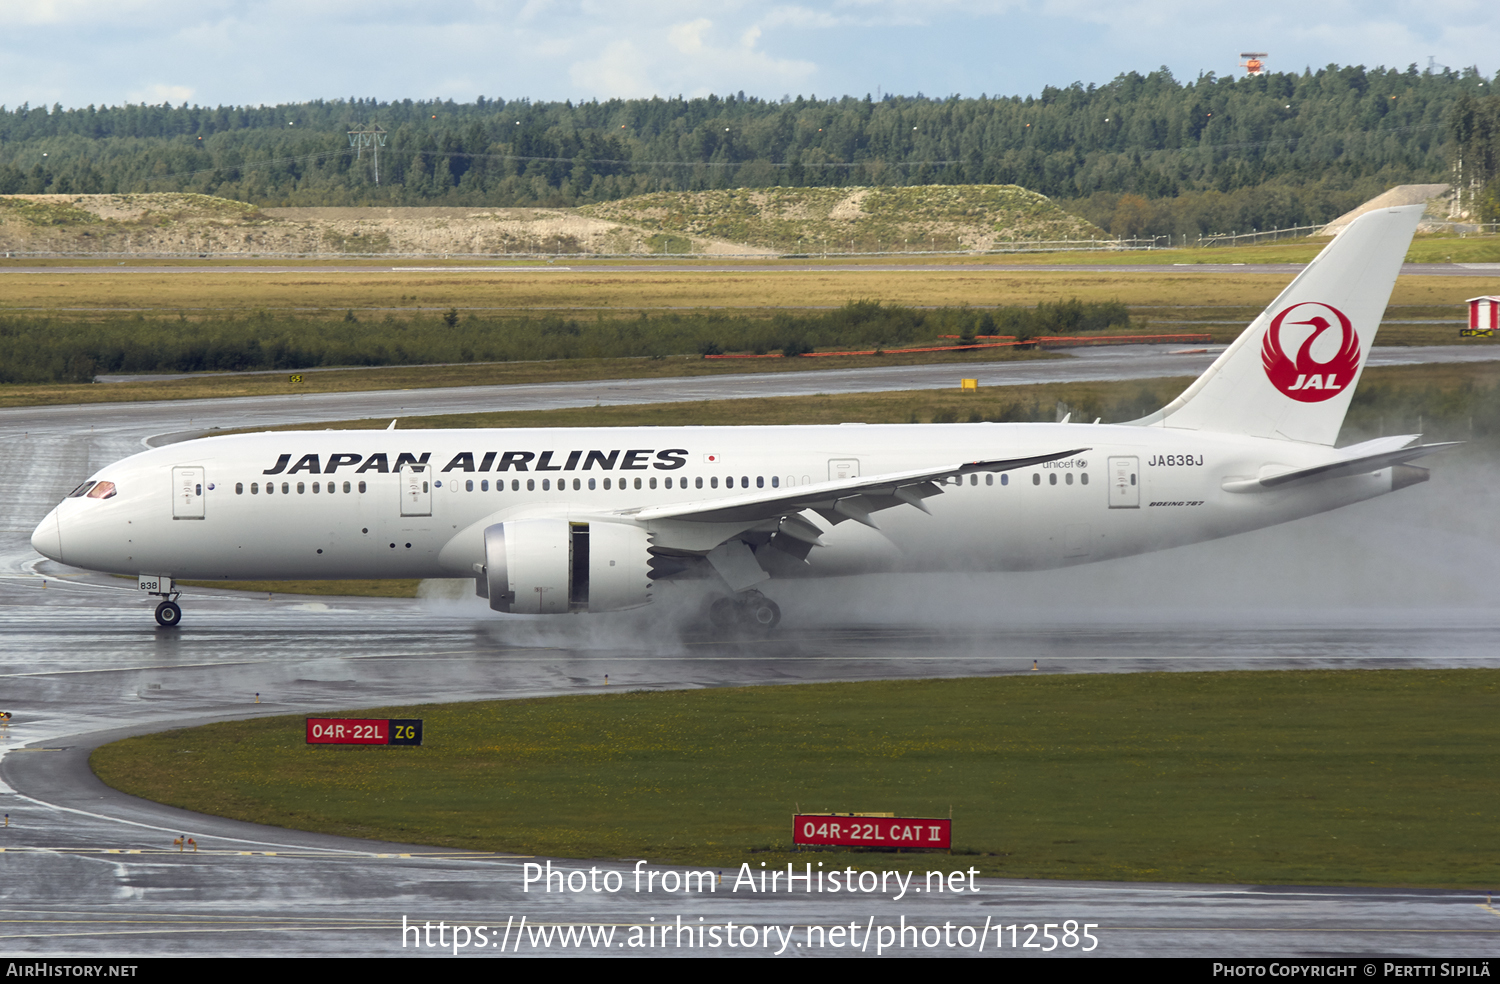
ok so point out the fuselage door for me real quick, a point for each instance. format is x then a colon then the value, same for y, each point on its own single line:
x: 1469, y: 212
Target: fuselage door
x: 416, y: 490
x: 187, y: 493
x: 842, y: 468
x: 1125, y: 482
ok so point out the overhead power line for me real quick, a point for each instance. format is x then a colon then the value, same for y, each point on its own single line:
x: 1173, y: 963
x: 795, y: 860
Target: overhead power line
x: 308, y: 158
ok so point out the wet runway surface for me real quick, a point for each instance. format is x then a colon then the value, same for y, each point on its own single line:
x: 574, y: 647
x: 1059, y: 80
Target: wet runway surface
x: 90, y: 871
x: 1403, y: 581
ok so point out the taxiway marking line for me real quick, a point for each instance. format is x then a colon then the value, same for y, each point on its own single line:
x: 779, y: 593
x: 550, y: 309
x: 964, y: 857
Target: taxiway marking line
x: 244, y: 662
x: 175, y: 831
x: 225, y: 852
x: 208, y: 921
x: 131, y: 669
x: 290, y: 927
x: 83, y: 916
x: 644, y: 657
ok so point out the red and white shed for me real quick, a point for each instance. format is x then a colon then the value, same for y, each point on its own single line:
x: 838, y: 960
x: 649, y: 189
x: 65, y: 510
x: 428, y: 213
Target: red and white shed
x: 1484, y: 312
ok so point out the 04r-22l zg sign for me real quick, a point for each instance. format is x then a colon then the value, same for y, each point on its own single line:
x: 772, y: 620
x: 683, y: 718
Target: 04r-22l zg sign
x: 364, y: 731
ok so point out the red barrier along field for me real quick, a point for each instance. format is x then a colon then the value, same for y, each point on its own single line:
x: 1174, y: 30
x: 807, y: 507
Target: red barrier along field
x: 1059, y: 341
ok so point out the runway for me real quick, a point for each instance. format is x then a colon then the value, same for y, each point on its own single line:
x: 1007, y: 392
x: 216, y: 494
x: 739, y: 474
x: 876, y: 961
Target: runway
x: 89, y: 659
x: 120, y: 427
x: 1400, y: 581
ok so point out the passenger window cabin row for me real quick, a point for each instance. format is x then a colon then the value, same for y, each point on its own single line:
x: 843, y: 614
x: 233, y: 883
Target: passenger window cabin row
x: 286, y: 488
x: 623, y: 483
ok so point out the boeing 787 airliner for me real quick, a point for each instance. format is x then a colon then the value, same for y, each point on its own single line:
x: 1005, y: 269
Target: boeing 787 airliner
x: 559, y: 520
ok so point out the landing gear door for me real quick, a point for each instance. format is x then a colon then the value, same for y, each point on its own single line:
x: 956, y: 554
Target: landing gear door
x: 416, y: 490
x: 842, y: 468
x: 1125, y: 483
x: 187, y: 493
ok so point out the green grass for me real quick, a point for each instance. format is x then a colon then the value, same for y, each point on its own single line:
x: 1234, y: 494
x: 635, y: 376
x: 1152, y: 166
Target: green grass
x: 1317, y: 777
x: 1425, y: 248
x: 44, y: 213
x: 1448, y: 248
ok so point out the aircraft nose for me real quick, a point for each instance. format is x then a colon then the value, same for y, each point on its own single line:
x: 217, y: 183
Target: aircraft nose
x: 47, y: 538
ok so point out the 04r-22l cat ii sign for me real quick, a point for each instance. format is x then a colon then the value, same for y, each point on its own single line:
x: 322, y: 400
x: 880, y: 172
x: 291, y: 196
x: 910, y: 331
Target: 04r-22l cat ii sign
x: 565, y: 520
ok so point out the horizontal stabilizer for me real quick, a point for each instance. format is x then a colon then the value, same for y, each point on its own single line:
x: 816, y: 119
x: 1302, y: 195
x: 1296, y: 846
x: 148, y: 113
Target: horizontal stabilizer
x: 1368, y: 457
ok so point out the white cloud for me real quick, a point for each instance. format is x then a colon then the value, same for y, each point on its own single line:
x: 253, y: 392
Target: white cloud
x: 264, y: 51
x: 618, y: 70
x: 688, y: 38
x: 805, y: 18
x: 690, y: 57
x: 157, y: 93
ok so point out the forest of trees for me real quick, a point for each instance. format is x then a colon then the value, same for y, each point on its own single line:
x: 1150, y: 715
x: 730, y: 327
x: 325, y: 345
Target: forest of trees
x: 1474, y: 125
x: 1142, y: 154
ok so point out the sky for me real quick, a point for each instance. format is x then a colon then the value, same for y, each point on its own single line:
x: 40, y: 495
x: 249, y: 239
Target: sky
x: 263, y: 52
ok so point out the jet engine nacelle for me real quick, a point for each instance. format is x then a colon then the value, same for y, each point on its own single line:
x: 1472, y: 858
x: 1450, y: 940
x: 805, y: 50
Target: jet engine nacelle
x: 553, y: 566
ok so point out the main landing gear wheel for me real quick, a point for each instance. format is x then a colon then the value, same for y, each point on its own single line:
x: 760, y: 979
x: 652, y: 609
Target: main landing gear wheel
x: 168, y: 614
x: 762, y: 613
x: 752, y: 613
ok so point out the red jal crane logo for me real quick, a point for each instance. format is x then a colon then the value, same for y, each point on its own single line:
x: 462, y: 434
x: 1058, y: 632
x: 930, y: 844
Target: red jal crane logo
x: 1301, y: 378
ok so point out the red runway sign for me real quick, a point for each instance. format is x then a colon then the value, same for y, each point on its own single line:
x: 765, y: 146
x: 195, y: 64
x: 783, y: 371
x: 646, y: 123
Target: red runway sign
x: 847, y: 831
x: 363, y: 731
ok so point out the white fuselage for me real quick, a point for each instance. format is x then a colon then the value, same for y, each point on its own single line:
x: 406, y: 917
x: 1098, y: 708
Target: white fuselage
x: 558, y: 520
x: 337, y: 509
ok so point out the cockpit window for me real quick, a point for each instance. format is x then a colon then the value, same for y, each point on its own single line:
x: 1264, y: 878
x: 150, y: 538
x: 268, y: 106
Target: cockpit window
x: 80, y: 490
x: 103, y: 490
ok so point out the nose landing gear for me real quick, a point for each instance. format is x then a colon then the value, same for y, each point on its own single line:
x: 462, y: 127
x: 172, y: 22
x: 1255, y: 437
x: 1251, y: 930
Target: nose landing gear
x: 168, y: 614
x: 751, y: 613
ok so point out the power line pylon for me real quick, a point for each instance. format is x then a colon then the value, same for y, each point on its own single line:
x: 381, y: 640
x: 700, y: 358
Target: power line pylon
x: 372, y: 136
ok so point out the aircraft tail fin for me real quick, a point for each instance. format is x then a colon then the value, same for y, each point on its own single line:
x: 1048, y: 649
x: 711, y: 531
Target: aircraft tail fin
x: 1292, y: 372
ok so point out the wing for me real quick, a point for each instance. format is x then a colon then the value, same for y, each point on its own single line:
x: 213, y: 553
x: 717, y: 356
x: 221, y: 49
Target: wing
x: 851, y: 498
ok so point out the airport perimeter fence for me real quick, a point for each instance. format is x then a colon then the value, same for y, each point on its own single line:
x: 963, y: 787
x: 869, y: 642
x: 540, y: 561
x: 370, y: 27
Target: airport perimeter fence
x: 1210, y: 240
x: 1251, y: 238
x: 1465, y: 229
x: 1022, y: 246
x: 1140, y: 243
